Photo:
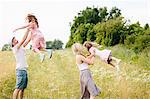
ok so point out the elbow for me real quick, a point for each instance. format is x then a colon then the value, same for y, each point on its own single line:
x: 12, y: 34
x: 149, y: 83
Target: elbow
x: 91, y: 63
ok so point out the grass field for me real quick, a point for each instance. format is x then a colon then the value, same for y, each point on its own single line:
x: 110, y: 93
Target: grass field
x: 58, y: 78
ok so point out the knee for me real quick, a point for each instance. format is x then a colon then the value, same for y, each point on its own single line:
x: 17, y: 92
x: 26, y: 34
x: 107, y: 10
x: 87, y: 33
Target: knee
x: 16, y: 91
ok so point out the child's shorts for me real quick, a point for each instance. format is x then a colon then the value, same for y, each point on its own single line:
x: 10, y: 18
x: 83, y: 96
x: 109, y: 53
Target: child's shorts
x: 21, y: 79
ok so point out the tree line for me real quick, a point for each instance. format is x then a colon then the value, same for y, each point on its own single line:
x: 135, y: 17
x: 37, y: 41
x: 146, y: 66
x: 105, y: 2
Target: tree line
x: 108, y: 28
x: 56, y: 45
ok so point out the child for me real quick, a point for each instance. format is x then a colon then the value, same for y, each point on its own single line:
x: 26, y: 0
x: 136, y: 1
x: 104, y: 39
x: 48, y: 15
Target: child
x: 105, y: 55
x: 33, y: 33
x: 21, y: 68
x: 88, y: 88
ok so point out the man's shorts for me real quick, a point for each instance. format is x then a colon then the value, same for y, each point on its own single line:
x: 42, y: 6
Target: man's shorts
x: 21, y: 79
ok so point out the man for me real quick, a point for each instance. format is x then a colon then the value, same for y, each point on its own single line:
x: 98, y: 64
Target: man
x: 21, y: 68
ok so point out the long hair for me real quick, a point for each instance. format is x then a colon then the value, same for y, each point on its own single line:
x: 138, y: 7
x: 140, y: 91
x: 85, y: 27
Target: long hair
x: 88, y: 45
x: 77, y: 49
x: 32, y: 18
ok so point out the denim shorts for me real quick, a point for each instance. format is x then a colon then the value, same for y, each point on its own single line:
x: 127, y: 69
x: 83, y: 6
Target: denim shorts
x: 21, y: 79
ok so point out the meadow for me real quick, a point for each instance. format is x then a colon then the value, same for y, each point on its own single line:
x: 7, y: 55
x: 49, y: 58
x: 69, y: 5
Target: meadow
x: 58, y: 77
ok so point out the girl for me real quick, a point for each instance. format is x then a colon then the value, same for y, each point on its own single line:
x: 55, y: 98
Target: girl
x: 88, y: 88
x: 105, y: 55
x: 33, y: 33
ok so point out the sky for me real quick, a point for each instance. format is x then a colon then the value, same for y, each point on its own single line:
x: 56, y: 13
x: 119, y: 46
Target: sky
x: 54, y: 16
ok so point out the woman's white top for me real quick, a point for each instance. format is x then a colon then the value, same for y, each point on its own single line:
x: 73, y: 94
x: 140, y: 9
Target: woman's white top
x: 82, y: 66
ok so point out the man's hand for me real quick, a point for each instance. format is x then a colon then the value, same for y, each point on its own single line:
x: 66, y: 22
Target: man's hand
x: 25, y: 44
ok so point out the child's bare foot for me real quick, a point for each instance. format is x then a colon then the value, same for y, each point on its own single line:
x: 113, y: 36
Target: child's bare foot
x: 118, y: 62
x: 117, y: 67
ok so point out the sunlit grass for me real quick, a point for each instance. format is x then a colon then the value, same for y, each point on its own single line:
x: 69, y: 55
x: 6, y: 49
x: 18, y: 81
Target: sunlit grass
x: 58, y: 78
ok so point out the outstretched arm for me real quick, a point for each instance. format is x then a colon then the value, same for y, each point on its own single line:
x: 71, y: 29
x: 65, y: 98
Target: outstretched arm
x: 24, y: 38
x: 23, y: 27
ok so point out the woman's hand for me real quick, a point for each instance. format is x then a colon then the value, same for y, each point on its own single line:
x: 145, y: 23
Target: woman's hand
x: 86, y: 60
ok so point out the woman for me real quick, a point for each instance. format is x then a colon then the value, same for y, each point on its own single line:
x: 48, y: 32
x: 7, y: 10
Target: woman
x: 88, y: 88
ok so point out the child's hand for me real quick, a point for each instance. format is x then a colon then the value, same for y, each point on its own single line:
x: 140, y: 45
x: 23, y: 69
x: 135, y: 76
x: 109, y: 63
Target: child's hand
x: 14, y: 30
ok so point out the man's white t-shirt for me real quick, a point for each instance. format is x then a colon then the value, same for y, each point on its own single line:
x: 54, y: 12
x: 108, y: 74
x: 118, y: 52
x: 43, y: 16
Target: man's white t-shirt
x: 21, y: 63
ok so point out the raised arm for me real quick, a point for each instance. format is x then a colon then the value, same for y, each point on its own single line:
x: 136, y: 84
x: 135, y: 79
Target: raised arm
x: 24, y: 38
x: 23, y: 27
x: 28, y: 40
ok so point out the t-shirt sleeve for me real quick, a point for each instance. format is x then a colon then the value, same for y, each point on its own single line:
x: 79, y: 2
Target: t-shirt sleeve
x: 14, y: 49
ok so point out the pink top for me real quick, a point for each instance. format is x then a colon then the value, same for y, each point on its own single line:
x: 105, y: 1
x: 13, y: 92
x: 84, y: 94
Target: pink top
x: 35, y: 32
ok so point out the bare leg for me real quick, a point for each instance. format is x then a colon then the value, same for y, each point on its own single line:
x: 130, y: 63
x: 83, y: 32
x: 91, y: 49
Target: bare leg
x: 112, y: 64
x: 15, y: 94
x: 116, y: 59
x: 92, y: 97
x: 21, y: 92
x: 42, y: 56
x: 48, y: 51
x: 117, y: 63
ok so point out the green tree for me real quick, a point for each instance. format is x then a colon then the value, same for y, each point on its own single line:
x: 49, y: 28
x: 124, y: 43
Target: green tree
x: 6, y: 47
x: 56, y: 44
x: 142, y: 42
x: 103, y: 14
x: 85, y: 21
x: 49, y: 44
x: 135, y: 29
x: 109, y: 33
x: 114, y: 13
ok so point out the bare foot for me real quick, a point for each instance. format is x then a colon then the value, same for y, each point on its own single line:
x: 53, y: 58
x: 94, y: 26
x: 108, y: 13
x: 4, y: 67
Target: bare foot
x: 118, y: 62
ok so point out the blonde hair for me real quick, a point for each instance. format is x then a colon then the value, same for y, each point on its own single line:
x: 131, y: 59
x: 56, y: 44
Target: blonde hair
x: 77, y: 49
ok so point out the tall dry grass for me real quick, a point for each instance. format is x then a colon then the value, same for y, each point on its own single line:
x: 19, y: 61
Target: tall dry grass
x: 58, y: 78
